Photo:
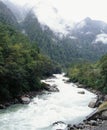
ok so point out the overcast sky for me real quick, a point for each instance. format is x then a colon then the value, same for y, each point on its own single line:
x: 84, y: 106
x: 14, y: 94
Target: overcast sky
x: 76, y: 9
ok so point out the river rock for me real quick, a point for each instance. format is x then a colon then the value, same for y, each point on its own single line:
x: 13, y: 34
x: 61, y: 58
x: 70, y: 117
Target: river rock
x: 105, y: 98
x: 92, y: 103
x: 25, y: 100
x: 81, y: 92
x: 52, y: 88
x: 104, y: 115
x: 93, y: 123
x: 2, y: 106
x: 8, y: 104
x: 60, y: 125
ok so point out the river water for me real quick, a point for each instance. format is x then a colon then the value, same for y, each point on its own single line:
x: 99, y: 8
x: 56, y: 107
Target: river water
x: 67, y: 106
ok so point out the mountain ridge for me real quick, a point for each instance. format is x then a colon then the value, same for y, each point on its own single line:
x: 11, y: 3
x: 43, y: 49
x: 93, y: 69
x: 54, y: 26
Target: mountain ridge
x: 86, y: 41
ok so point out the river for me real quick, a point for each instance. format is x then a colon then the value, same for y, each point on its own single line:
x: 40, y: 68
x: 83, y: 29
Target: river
x: 67, y: 106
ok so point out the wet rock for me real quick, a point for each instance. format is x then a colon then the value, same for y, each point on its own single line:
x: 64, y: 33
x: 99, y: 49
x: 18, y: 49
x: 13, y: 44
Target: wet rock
x: 79, y: 126
x: 7, y: 104
x: 81, y: 86
x: 2, y: 106
x: 59, y: 125
x: 25, y: 100
x: 52, y: 88
x: 76, y: 127
x: 105, y: 98
x: 92, y: 103
x: 81, y: 92
x: 94, y: 115
x: 16, y: 101
x: 99, y: 101
x: 58, y: 122
x: 104, y: 115
x: 93, y: 123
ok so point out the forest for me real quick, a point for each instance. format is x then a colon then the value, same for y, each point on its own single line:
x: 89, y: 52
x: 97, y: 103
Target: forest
x: 30, y: 51
x: 92, y: 75
x: 21, y: 64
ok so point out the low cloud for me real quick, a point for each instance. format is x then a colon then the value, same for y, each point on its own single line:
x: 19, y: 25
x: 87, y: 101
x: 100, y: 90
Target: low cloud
x: 101, y: 38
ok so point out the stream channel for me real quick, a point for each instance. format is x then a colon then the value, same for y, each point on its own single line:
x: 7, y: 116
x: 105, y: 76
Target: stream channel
x: 66, y: 107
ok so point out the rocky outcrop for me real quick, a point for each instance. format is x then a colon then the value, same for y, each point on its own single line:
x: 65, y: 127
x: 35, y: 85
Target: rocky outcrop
x: 95, y: 119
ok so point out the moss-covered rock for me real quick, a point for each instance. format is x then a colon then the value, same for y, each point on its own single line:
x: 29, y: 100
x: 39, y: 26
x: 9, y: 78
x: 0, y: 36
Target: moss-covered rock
x: 103, y: 106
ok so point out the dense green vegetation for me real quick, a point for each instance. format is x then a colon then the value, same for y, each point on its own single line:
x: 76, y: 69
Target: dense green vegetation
x: 21, y: 64
x: 6, y: 16
x: 91, y: 75
x: 25, y: 58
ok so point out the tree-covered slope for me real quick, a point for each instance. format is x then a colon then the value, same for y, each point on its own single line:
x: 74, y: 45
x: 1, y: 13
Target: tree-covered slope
x: 46, y: 40
x: 91, y: 75
x: 6, y: 15
x: 87, y: 41
x: 79, y: 45
x: 21, y: 64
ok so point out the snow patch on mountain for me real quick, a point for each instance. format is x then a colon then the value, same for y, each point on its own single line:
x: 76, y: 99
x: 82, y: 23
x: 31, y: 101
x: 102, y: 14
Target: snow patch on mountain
x: 73, y: 37
x: 46, y: 12
x: 49, y: 15
x: 101, y: 38
x: 81, y: 24
x: 88, y: 33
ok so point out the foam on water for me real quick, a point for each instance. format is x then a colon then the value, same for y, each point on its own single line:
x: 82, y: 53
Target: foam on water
x: 67, y: 106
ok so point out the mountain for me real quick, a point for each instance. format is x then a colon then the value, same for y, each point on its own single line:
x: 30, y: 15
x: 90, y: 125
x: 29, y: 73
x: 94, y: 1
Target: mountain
x: 45, y: 11
x: 45, y: 38
x: 90, y: 29
x: 86, y: 40
x: 6, y: 15
x: 18, y: 11
x: 90, y: 38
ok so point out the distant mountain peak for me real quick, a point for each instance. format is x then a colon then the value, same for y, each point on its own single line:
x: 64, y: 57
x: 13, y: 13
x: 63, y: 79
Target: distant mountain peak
x: 87, y: 19
x: 45, y: 11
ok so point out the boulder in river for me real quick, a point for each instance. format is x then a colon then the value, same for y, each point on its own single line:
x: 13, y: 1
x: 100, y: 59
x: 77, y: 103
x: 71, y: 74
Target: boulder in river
x: 92, y: 103
x: 105, y: 98
x: 2, y: 106
x: 60, y: 125
x: 51, y: 88
x: 104, y: 115
x: 25, y: 100
x: 81, y: 92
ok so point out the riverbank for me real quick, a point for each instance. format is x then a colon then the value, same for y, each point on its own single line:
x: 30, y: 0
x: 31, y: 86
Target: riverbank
x: 27, y: 97
x: 97, y: 120
x: 23, y: 99
x: 63, y: 107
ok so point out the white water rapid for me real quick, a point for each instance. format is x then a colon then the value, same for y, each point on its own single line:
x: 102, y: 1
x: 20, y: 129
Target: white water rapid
x: 67, y: 106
